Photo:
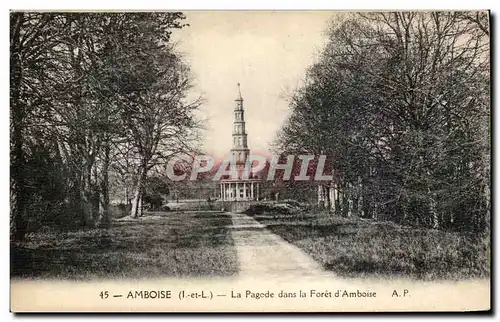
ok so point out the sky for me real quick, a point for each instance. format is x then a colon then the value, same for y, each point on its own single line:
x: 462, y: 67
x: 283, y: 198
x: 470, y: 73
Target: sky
x: 266, y: 52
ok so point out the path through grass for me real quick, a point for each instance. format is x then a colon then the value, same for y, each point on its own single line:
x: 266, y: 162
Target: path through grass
x: 352, y: 247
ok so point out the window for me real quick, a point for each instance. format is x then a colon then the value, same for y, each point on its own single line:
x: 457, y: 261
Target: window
x: 238, y: 116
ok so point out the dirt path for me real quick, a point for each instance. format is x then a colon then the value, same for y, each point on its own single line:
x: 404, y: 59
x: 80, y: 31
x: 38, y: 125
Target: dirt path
x: 262, y: 253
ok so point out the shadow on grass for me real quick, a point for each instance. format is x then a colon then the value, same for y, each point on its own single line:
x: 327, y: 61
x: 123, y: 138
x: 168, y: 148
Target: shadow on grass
x: 165, y: 247
x: 294, y: 232
x: 352, y: 247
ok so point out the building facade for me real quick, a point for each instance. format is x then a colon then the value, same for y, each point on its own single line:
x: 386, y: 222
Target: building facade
x: 242, y: 187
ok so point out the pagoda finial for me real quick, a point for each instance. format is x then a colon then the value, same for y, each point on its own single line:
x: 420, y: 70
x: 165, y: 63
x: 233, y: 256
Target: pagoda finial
x: 239, y: 98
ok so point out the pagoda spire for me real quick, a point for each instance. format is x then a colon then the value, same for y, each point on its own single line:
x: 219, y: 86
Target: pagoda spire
x: 239, y: 98
x: 240, y: 148
x: 244, y: 186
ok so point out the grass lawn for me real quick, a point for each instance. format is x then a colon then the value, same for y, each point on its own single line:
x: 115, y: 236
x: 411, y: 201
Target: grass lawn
x: 353, y: 247
x: 157, y: 245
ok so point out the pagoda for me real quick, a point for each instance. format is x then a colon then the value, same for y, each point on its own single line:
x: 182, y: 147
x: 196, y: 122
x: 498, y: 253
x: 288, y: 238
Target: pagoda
x: 243, y: 186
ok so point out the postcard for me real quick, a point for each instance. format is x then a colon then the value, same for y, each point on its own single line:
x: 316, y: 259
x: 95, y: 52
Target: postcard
x: 250, y: 161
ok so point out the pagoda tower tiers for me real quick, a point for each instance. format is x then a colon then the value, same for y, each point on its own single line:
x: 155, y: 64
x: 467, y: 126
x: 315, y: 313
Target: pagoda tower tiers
x: 241, y: 188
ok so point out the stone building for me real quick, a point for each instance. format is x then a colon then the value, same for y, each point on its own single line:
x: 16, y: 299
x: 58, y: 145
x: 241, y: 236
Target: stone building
x: 241, y: 187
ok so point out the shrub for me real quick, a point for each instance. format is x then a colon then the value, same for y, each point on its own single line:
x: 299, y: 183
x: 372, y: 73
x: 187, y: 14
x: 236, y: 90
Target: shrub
x: 273, y: 208
x: 119, y: 210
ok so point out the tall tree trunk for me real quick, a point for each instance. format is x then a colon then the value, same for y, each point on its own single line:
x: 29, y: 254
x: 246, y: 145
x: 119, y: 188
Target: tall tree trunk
x: 86, y: 195
x: 137, y: 202
x: 104, y: 216
x: 340, y: 199
x: 350, y: 200
x: 333, y: 200
x: 322, y: 203
x: 360, y: 203
x: 76, y: 196
x: 18, y: 225
x: 80, y: 131
x: 486, y: 189
x: 18, y: 185
x: 432, y: 206
x: 127, y: 202
x: 487, y: 215
x: 141, y: 198
x: 432, y: 210
x: 346, y: 204
x: 327, y: 198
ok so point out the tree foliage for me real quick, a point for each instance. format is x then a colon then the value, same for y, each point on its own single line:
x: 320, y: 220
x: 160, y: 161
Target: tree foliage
x: 399, y: 102
x: 91, y: 94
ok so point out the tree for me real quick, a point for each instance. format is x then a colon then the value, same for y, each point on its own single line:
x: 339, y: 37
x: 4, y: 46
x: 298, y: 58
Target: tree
x: 76, y: 80
x: 32, y: 36
x: 397, y: 100
x: 159, y: 123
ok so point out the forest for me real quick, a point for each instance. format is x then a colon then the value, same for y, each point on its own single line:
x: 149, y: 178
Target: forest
x: 91, y: 95
x: 400, y: 104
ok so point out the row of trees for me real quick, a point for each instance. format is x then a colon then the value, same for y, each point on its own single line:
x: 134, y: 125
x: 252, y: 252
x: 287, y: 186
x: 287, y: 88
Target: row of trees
x: 92, y: 94
x: 400, y: 104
